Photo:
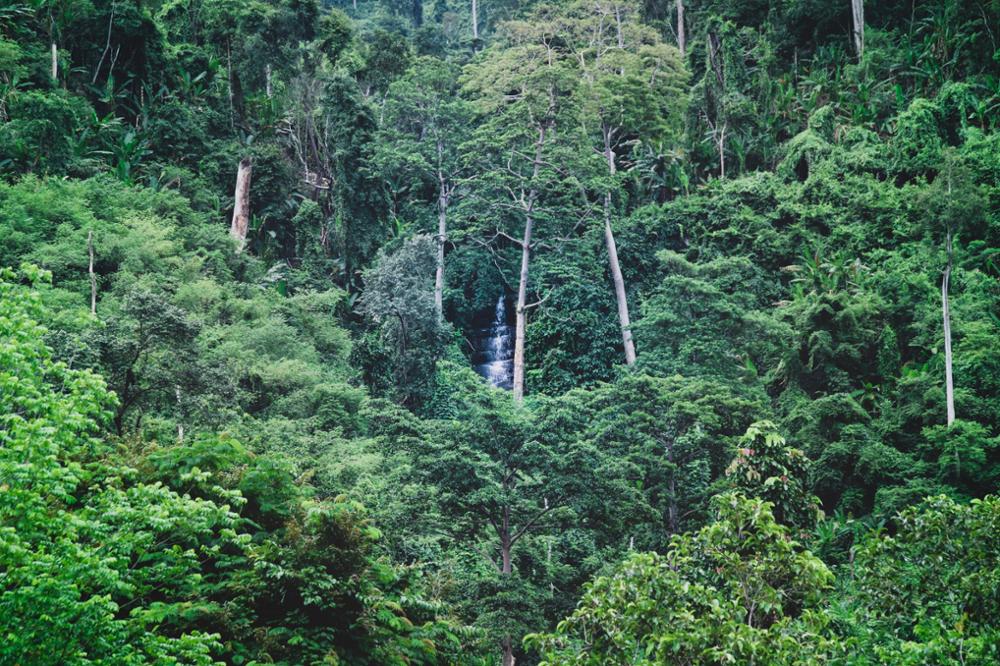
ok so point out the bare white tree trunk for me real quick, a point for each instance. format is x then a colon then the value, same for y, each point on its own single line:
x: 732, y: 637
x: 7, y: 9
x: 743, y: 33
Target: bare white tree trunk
x: 180, y: 425
x: 616, y: 276
x: 858, y: 16
x: 90, y: 272
x: 241, y: 207
x: 521, y: 312
x: 475, y: 20
x: 949, y: 384
x: 720, y: 143
x: 267, y: 81
x: 520, y: 319
x: 55, y: 62
x: 616, y: 270
x: 681, y: 39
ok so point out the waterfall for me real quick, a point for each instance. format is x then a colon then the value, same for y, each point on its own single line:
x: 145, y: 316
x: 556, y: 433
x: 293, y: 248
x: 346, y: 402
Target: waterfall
x: 494, y: 348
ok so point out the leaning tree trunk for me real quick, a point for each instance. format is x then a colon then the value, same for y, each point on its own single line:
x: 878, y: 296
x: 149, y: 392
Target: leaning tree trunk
x: 241, y: 207
x: 616, y: 270
x: 858, y: 17
x: 681, y: 41
x: 949, y: 384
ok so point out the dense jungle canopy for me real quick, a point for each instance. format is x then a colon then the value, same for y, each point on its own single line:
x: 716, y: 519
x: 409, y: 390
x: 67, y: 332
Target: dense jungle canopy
x: 476, y: 332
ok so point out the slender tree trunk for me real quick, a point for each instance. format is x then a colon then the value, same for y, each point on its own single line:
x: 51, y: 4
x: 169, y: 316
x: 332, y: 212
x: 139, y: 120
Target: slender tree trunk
x: 107, y: 47
x: 267, y: 81
x: 180, y: 425
x: 229, y: 84
x: 858, y: 16
x: 55, y: 61
x: 949, y: 384
x: 520, y: 318
x: 721, y: 143
x: 442, y: 237
x: 505, y: 544
x: 616, y: 271
x: 475, y: 22
x: 90, y: 272
x: 241, y: 207
x: 681, y: 40
x: 521, y: 313
x: 618, y: 29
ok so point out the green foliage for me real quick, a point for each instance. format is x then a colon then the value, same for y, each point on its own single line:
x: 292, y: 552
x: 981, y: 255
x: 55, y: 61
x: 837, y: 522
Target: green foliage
x: 670, y: 438
x: 765, y: 467
x: 927, y: 593
x: 202, y: 503
x: 738, y: 590
x: 399, y: 298
x: 130, y: 560
x: 81, y: 543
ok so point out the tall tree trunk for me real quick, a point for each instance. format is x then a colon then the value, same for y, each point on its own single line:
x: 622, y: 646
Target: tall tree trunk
x: 858, y: 16
x: 672, y: 505
x: 521, y: 313
x: 949, y: 384
x: 475, y: 22
x: 55, y: 61
x: 718, y: 125
x: 268, y: 90
x: 508, y: 652
x: 90, y: 272
x: 241, y: 206
x: 715, y: 59
x: 506, y: 542
x: 229, y: 84
x: 180, y: 424
x: 681, y: 40
x: 442, y: 237
x: 616, y: 272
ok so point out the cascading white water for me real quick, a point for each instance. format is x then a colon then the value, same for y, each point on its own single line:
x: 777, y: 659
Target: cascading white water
x: 494, y: 346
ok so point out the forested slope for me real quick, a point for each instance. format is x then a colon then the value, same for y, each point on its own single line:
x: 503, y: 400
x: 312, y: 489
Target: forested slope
x: 746, y: 253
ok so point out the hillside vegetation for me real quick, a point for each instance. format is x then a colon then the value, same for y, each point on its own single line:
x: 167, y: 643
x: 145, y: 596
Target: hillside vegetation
x: 745, y: 254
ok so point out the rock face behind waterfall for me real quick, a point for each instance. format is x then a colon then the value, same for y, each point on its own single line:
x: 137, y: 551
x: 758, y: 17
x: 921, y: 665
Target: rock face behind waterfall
x: 494, y: 347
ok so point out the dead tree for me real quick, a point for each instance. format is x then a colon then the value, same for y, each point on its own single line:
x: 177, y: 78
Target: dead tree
x: 241, y: 206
